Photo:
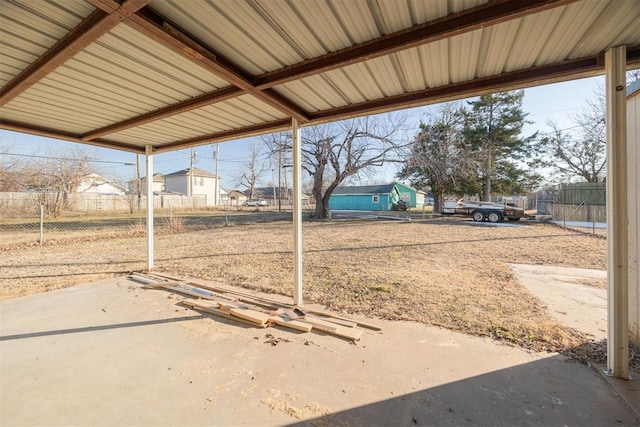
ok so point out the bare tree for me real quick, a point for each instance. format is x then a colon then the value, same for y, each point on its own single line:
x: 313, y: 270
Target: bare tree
x: 581, y: 152
x: 254, y: 168
x: 56, y: 179
x: 440, y: 158
x: 333, y: 152
x: 11, y: 170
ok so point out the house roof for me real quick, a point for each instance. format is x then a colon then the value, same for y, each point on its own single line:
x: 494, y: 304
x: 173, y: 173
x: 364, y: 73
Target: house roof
x: 196, y: 172
x: 96, y: 179
x: 163, y: 75
x: 364, y: 189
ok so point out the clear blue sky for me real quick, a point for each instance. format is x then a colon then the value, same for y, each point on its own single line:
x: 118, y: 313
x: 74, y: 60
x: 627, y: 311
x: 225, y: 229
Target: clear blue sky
x: 556, y: 102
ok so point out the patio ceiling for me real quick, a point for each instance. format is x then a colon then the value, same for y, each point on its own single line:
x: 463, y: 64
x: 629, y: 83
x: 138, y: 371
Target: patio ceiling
x: 172, y: 74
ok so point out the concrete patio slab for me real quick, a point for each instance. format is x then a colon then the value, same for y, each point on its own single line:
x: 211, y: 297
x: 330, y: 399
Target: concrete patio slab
x: 112, y: 353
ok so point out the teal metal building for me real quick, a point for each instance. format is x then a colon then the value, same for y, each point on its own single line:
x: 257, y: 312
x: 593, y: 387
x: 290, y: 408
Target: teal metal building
x: 371, y: 197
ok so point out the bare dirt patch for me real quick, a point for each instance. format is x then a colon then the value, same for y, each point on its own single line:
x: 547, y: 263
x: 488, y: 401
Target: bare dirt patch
x: 444, y: 273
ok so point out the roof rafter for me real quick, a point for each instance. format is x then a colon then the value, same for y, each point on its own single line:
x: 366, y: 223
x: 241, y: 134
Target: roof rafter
x: 159, y: 29
x: 67, y: 136
x: 578, y: 68
x: 488, y: 14
x: 88, y: 31
x: 155, y: 26
x: 259, y: 129
x: 171, y: 110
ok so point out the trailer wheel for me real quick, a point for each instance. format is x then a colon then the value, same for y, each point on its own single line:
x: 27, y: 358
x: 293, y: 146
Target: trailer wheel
x: 478, y: 216
x: 494, y: 217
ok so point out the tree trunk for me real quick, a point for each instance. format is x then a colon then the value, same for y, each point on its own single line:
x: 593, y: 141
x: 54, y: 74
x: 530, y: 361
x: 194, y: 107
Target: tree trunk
x: 487, y: 180
x: 321, y: 211
x: 437, y: 202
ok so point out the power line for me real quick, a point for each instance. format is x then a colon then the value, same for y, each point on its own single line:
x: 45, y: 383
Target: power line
x: 68, y: 158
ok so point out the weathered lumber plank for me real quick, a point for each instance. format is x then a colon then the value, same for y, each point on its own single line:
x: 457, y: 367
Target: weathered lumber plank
x: 211, y: 309
x: 266, y: 302
x: 257, y: 317
x: 293, y: 324
x: 333, y: 329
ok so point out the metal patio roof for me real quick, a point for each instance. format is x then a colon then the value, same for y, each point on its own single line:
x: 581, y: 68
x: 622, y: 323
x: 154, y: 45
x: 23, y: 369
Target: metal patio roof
x: 176, y: 73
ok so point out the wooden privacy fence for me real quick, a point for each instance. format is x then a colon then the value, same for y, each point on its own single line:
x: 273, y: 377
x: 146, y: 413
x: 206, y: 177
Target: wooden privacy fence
x: 28, y: 203
x: 580, y: 212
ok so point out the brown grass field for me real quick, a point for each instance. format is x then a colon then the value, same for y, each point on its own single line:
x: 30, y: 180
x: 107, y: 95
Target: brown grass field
x: 448, y: 273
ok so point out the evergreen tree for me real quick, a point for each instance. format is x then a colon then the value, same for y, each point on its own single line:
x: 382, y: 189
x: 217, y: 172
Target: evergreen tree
x: 439, y: 158
x: 492, y: 128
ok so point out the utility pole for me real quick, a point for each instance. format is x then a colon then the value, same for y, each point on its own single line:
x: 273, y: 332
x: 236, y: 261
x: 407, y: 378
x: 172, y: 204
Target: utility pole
x: 190, y: 190
x: 138, y: 183
x: 279, y: 177
x: 216, y: 196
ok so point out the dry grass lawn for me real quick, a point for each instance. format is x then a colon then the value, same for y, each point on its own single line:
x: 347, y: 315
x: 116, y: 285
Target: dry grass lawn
x: 448, y: 273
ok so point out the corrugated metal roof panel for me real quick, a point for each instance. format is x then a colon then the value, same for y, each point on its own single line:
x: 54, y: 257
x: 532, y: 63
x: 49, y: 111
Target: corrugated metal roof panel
x: 573, y: 23
x: 312, y: 88
x: 495, y: 47
x: 234, y: 29
x: 126, y: 75
x: 463, y: 56
x: 29, y: 28
x: 123, y: 75
x: 525, y: 49
x: 228, y: 115
x: 613, y: 20
x: 434, y: 60
x: 273, y: 34
x: 45, y: 112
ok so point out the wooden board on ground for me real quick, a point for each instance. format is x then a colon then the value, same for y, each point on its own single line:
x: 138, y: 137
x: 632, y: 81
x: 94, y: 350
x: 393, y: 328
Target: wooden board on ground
x: 269, y: 304
x: 212, y: 309
x: 293, y: 324
x: 333, y: 329
x: 254, y: 316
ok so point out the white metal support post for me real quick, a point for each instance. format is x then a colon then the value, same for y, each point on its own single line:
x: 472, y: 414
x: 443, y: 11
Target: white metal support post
x: 297, y: 213
x: 149, y: 190
x: 617, y: 214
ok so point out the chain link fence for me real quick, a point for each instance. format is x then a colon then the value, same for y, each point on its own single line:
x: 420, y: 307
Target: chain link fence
x: 25, y: 223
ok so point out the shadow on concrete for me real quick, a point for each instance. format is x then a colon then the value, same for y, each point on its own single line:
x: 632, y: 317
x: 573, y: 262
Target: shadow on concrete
x: 545, y: 392
x: 97, y: 328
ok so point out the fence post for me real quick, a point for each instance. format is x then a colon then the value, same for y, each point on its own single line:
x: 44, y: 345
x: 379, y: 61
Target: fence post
x: 41, y: 224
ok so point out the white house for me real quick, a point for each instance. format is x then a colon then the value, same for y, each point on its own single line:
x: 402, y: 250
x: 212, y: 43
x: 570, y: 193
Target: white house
x: 203, y: 183
x: 158, y: 184
x: 96, y: 184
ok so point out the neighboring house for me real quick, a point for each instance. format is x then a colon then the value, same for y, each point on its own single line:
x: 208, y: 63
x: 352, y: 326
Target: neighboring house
x: 204, y: 184
x: 409, y: 195
x: 158, y: 184
x: 236, y: 198
x: 96, y: 184
x: 284, y: 194
x: 367, y: 197
x: 423, y: 199
x: 267, y: 193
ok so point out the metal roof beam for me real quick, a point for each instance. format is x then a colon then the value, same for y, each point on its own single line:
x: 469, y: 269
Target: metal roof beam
x: 491, y: 13
x: 584, y: 67
x: 160, y: 30
x: 259, y: 129
x: 88, y: 31
x: 66, y: 136
x: 171, y: 110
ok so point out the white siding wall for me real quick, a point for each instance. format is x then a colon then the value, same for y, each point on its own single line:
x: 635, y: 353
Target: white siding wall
x: 176, y: 184
x: 203, y: 186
